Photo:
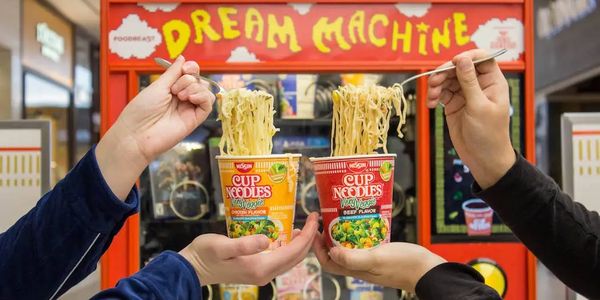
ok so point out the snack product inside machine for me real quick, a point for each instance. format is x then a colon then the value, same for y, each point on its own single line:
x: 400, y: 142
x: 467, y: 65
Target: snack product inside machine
x: 300, y: 53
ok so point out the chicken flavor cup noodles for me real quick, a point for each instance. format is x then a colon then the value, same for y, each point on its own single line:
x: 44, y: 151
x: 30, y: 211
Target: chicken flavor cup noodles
x: 259, y: 193
x: 355, y: 193
x: 478, y: 217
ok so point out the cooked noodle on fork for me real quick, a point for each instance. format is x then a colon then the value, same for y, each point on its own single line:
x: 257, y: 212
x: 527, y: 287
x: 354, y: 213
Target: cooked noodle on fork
x: 361, y: 118
x: 247, y: 118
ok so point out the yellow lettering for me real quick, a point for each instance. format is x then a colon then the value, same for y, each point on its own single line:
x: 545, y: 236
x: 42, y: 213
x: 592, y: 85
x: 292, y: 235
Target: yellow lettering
x: 229, y: 32
x: 460, y: 28
x: 357, y: 25
x: 254, y: 21
x: 438, y: 38
x: 406, y: 37
x: 175, y: 46
x: 422, y: 44
x: 377, y: 18
x: 324, y: 29
x: 284, y: 32
x: 422, y: 28
x: 201, y: 20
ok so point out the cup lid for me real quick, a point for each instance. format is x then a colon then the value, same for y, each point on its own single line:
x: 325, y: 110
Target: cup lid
x: 316, y: 159
x: 476, y: 209
x: 286, y: 155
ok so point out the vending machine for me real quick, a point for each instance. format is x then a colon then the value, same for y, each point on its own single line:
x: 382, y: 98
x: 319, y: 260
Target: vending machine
x: 299, y: 53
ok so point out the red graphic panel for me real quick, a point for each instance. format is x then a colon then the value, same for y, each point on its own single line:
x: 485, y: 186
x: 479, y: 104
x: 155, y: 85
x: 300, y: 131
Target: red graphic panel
x: 320, y: 32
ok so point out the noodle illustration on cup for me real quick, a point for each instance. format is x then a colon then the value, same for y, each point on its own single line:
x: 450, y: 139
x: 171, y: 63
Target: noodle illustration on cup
x: 355, y: 184
x: 478, y: 217
x: 259, y: 188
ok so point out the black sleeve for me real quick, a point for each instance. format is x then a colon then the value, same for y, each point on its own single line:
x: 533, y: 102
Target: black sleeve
x: 562, y: 233
x: 454, y: 281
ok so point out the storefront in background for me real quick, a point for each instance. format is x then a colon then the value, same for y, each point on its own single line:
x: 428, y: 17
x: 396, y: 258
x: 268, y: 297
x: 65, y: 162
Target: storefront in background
x: 567, y: 81
x: 58, y: 82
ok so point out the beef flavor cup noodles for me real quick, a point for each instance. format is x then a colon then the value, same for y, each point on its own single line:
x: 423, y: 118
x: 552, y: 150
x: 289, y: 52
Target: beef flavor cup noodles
x: 355, y: 193
x: 259, y: 193
x: 478, y: 217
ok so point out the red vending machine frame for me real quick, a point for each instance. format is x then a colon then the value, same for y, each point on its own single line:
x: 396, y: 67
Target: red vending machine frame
x: 386, y: 36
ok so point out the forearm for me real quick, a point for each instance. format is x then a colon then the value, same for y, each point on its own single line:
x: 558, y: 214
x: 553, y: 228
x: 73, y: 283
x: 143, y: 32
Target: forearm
x: 169, y: 276
x: 454, y: 281
x: 75, y: 221
x: 120, y: 160
x: 563, y: 234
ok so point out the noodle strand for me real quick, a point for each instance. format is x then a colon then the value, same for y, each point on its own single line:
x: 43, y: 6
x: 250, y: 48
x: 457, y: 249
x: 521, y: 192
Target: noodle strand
x: 247, y: 118
x: 361, y: 118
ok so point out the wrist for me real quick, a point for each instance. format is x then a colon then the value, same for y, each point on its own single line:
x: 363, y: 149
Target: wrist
x: 120, y: 161
x: 430, y: 261
x: 496, y: 168
x: 196, y: 264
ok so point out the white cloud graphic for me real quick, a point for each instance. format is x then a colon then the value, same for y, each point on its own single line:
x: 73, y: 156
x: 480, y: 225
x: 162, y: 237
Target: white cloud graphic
x: 495, y: 35
x: 133, y: 38
x: 413, y: 9
x: 153, y: 7
x: 241, y: 54
x: 301, y: 8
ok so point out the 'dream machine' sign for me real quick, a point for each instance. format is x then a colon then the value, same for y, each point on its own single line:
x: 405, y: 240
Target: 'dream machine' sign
x: 312, y: 32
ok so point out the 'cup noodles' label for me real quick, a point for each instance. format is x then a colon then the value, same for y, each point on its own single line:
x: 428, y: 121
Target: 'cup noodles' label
x: 259, y: 196
x: 247, y: 187
x: 356, y: 199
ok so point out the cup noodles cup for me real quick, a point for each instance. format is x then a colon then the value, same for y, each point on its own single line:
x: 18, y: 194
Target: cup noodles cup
x: 362, y: 290
x: 238, y: 292
x: 478, y: 216
x: 302, y: 282
x: 355, y: 193
x: 259, y: 193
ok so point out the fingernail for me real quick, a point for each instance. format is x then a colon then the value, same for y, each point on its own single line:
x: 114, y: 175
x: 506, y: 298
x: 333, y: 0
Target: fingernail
x: 264, y: 243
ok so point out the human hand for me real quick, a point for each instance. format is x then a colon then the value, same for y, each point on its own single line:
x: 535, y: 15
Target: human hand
x: 155, y: 120
x: 396, y: 265
x: 219, y: 259
x: 477, y: 107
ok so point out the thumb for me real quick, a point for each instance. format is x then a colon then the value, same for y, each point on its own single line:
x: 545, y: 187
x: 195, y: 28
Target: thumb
x: 242, y: 246
x: 353, y: 260
x: 295, y: 233
x: 173, y: 73
x: 467, y: 78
